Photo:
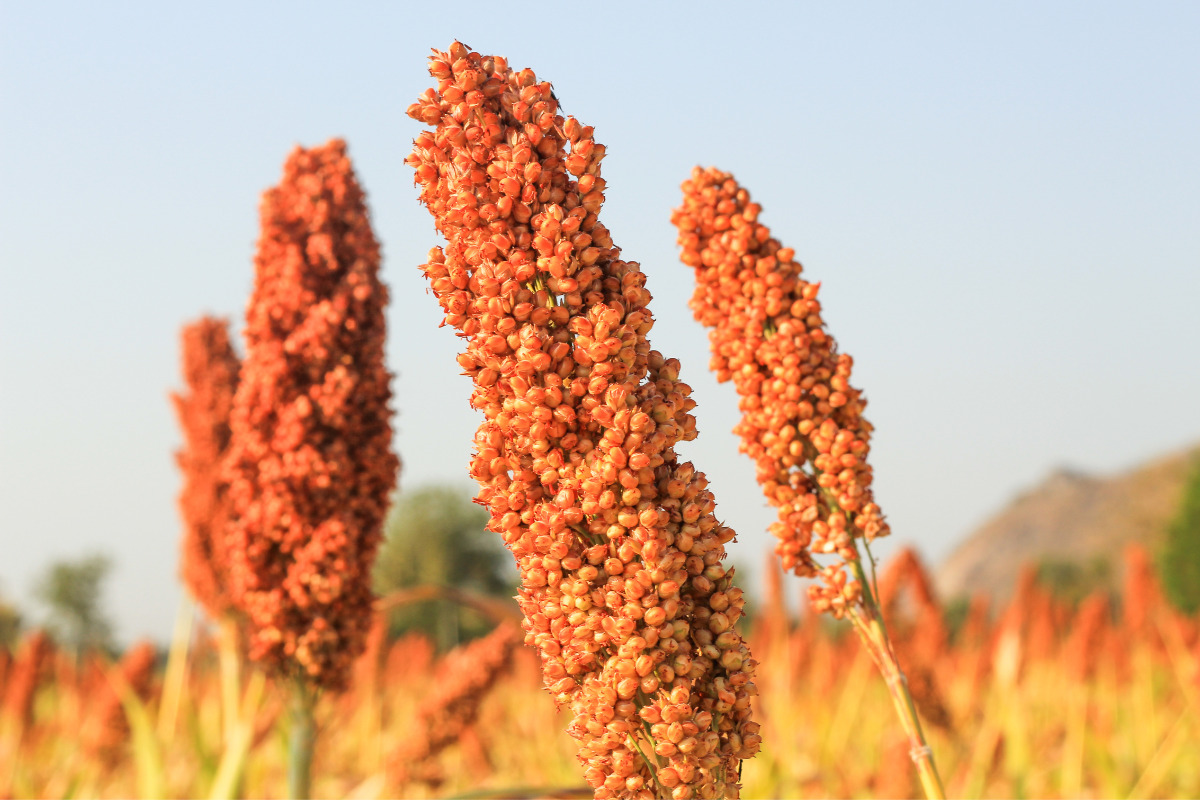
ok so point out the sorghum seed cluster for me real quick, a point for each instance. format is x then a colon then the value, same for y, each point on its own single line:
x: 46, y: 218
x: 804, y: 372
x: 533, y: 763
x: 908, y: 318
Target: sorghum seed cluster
x: 623, y: 589
x: 310, y: 464
x: 210, y: 371
x: 801, y: 421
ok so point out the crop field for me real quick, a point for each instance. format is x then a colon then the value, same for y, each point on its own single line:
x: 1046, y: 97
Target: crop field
x: 1031, y: 700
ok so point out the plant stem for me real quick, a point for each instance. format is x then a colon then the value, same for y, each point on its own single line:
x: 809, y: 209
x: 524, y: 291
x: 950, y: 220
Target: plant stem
x: 227, y: 654
x: 175, y: 679
x: 303, y: 734
x: 868, y: 624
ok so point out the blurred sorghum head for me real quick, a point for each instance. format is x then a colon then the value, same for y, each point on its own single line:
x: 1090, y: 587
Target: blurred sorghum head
x: 210, y: 372
x: 310, y: 465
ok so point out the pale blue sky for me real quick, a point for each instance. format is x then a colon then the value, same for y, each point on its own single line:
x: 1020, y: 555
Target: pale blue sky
x: 1002, y: 203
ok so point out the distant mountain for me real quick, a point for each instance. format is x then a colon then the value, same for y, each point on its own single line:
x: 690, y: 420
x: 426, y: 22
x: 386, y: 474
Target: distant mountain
x: 1070, y: 516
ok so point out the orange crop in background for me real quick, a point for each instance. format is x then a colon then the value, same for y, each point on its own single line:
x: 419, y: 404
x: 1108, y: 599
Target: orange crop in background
x: 210, y: 372
x: 29, y: 668
x: 310, y: 465
x: 464, y: 677
x: 106, y: 730
x: 1080, y: 721
x: 623, y: 588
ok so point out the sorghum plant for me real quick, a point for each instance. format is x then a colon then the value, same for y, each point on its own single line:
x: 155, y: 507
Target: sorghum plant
x: 310, y: 464
x: 30, y: 667
x: 622, y: 583
x: 210, y: 372
x: 463, y: 678
x: 802, y: 421
x: 106, y: 732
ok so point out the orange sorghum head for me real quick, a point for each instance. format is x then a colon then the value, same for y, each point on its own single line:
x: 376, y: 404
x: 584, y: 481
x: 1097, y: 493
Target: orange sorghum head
x: 623, y: 588
x: 408, y: 657
x: 802, y: 421
x: 1140, y: 597
x: 464, y: 677
x: 310, y: 465
x: 922, y: 634
x: 210, y: 372
x: 1087, y: 636
x: 31, y: 666
x: 107, y: 729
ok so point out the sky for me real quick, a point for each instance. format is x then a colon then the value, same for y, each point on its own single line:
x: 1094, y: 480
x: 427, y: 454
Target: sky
x: 1001, y: 201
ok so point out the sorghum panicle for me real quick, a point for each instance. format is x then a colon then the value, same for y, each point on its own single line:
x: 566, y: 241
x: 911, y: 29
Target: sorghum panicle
x: 801, y: 420
x: 463, y: 679
x: 107, y: 730
x: 918, y: 631
x: 310, y: 464
x: 210, y: 372
x: 30, y: 667
x: 1141, y: 597
x: 623, y: 588
x: 1088, y: 632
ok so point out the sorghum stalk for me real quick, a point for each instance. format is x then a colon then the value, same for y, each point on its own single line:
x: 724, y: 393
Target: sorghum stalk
x: 801, y: 421
x: 301, y: 738
x: 622, y: 586
x: 310, y: 466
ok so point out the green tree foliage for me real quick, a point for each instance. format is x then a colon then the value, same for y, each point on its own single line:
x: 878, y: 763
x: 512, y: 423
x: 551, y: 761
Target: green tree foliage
x: 436, y: 536
x: 1179, y: 558
x: 1072, y: 581
x: 71, y: 592
x: 10, y: 625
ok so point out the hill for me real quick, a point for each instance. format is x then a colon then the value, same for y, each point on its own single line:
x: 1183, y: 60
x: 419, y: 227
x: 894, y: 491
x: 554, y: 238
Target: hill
x: 1068, y: 517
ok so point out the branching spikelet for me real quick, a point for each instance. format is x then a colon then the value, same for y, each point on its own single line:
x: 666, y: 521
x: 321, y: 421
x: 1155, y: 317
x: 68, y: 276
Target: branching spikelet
x: 310, y: 464
x: 210, y: 372
x: 802, y: 421
x: 623, y: 588
x: 464, y: 677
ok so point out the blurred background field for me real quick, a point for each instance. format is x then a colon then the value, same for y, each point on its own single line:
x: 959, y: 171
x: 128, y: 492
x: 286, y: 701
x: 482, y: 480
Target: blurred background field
x: 1047, y: 695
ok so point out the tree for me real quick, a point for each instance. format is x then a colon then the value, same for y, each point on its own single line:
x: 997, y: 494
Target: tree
x: 436, y: 536
x: 10, y: 625
x: 71, y: 591
x: 1073, y: 581
x: 1179, y: 558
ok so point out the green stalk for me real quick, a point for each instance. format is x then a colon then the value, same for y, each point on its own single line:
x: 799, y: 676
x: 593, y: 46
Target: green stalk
x: 300, y: 745
x: 227, y: 654
x: 868, y: 624
x: 175, y: 680
x: 1074, y: 746
x: 237, y: 745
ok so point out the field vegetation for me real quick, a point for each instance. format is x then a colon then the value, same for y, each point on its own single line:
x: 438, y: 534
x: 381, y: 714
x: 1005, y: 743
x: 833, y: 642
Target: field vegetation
x: 1036, y: 699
